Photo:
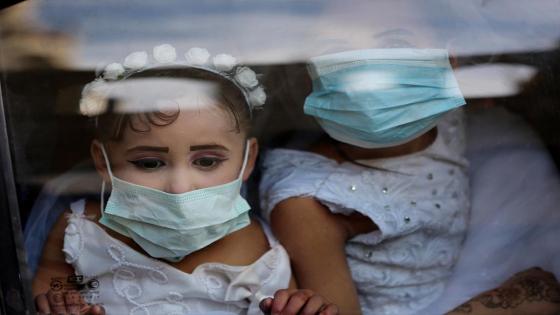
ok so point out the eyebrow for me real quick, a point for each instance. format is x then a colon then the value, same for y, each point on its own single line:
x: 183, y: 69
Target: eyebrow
x: 148, y: 148
x: 208, y: 147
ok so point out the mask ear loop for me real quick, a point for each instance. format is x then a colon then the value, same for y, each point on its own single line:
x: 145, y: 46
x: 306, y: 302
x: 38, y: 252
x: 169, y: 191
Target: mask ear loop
x: 245, y: 158
x: 102, y: 197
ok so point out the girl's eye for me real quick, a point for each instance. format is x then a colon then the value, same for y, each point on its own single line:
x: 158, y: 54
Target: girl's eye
x: 148, y: 164
x: 207, y: 162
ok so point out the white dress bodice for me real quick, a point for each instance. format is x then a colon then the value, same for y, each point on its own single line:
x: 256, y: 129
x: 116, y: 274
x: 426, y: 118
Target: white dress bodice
x: 128, y: 282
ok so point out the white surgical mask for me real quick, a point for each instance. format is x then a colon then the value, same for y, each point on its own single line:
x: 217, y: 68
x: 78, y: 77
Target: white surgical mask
x: 171, y: 226
x: 381, y: 97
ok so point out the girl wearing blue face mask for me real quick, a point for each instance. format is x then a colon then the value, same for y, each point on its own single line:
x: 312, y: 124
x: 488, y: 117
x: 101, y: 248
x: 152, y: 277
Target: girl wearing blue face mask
x: 173, y: 234
x: 373, y: 215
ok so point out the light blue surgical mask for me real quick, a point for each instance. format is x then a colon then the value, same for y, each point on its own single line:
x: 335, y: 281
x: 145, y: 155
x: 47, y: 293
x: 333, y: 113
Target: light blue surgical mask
x: 381, y: 97
x: 171, y: 226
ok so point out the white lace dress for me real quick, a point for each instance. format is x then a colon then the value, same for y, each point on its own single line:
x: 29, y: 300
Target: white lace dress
x: 421, y: 210
x: 128, y: 282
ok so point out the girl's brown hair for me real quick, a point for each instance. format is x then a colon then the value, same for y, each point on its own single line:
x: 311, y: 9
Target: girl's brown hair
x: 110, y: 125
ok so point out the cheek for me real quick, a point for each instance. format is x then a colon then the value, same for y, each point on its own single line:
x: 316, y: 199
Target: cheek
x: 225, y: 174
x: 135, y: 176
x: 209, y: 181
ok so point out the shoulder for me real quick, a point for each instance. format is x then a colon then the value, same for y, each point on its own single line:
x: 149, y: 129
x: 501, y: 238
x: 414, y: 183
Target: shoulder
x: 56, y: 235
x: 294, y: 171
x: 246, y: 245
x: 281, y: 158
x: 92, y: 210
x: 302, y: 174
x: 240, y: 248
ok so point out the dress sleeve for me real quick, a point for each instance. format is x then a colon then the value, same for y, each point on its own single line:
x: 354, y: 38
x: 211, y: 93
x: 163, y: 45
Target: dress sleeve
x: 286, y: 174
x: 277, y: 277
x: 261, y: 280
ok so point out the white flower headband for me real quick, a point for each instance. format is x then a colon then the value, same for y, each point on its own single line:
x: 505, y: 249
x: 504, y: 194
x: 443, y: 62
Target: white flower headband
x: 93, y: 100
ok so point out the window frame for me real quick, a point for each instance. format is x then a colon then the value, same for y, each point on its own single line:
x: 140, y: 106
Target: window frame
x: 15, y: 279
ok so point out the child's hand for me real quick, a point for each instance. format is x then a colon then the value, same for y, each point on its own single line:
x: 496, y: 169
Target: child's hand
x: 65, y: 303
x: 292, y: 302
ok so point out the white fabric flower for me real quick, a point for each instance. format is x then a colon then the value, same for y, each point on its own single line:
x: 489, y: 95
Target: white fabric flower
x: 136, y: 60
x: 97, y: 88
x: 113, y: 71
x: 224, y: 62
x: 165, y: 53
x: 91, y: 106
x: 94, y: 98
x: 257, y: 97
x: 197, y: 56
x: 246, y: 77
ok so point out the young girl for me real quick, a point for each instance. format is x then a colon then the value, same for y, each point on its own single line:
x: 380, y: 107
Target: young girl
x: 373, y: 216
x: 174, y: 236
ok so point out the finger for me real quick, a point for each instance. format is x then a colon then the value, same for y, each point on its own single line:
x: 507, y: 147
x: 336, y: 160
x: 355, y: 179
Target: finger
x: 56, y: 302
x: 329, y: 309
x: 313, y: 305
x: 42, y: 304
x: 86, y: 309
x: 96, y: 310
x: 73, y: 301
x: 266, y: 305
x: 280, y: 299
x: 297, y: 302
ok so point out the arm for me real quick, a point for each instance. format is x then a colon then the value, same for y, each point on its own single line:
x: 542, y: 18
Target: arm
x: 53, y: 265
x: 532, y: 291
x: 315, y: 240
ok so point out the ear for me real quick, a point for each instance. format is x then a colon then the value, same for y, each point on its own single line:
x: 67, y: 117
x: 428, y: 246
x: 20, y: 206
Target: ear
x: 452, y: 51
x: 453, y: 61
x: 252, y: 158
x: 99, y: 160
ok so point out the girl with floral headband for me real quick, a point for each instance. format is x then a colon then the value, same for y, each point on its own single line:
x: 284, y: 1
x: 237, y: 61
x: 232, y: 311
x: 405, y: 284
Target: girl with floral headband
x: 174, y: 236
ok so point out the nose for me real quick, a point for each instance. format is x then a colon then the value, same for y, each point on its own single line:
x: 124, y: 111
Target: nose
x: 179, y: 181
